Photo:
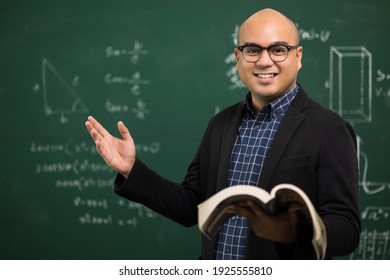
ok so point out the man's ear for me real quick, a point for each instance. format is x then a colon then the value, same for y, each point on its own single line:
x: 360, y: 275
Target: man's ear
x: 299, y: 54
x: 237, y: 55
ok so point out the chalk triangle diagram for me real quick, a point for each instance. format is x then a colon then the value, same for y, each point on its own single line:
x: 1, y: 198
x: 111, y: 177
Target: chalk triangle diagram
x: 59, y: 96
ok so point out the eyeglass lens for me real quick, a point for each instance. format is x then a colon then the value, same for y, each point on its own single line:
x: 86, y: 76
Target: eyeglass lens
x: 253, y: 53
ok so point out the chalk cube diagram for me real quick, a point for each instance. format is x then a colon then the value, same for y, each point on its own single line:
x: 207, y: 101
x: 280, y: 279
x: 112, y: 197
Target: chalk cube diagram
x: 351, y: 82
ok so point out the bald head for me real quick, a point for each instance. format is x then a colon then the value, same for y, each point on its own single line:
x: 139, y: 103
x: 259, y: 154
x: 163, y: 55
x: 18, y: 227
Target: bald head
x: 266, y: 78
x: 269, y: 17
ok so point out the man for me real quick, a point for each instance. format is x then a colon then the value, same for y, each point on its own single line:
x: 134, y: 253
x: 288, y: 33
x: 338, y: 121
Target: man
x: 276, y: 135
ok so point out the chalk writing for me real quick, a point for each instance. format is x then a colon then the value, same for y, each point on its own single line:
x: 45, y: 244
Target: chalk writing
x: 108, y: 219
x: 90, y: 202
x: 135, y: 79
x: 83, y: 183
x: 46, y: 148
x: 134, y: 53
x: 217, y: 109
x: 152, y: 148
x: 376, y: 213
x: 142, y: 211
x: 75, y: 172
x: 313, y: 34
x: 76, y: 167
x: 381, y: 76
x: 374, y: 245
x: 115, y: 108
x: 76, y: 81
x: 141, y: 110
x: 230, y: 60
x: 133, y: 221
x: 87, y: 218
x: 71, y: 147
x: 382, y: 92
x: 235, y: 81
x: 135, y: 90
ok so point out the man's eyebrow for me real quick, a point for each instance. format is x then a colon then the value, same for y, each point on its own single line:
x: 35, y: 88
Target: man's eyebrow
x: 272, y: 44
x: 280, y: 43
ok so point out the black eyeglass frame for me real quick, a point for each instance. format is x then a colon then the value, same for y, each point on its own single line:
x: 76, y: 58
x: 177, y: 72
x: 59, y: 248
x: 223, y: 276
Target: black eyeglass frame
x: 289, y: 48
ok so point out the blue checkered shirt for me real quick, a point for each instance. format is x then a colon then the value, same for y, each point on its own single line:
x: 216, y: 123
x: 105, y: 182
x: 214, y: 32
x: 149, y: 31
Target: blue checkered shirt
x: 252, y: 142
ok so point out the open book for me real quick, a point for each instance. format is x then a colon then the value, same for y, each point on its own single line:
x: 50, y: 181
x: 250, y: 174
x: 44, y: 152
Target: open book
x: 212, y: 213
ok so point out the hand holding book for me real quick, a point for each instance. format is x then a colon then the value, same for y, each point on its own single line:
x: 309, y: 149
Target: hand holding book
x: 271, y: 215
x: 280, y: 228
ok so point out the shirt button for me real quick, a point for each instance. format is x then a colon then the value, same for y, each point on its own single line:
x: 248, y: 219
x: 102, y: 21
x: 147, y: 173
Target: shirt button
x: 247, y: 156
x: 233, y: 218
x: 257, y: 127
x: 227, y: 250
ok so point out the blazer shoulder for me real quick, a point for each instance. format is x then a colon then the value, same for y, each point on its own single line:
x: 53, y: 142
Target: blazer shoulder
x: 234, y: 111
x: 324, y: 115
x: 314, y: 110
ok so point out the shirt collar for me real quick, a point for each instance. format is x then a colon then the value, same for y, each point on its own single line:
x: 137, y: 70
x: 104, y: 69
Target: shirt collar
x: 276, y: 107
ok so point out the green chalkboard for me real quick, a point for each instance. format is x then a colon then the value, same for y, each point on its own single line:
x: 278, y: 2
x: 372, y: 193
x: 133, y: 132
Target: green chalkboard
x: 165, y: 68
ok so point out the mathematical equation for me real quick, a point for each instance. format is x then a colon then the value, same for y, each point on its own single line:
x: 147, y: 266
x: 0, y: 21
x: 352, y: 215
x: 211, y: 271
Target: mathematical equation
x: 134, y: 212
x: 134, y: 53
x: 374, y: 245
x: 135, y: 81
x: 71, y: 148
x: 376, y: 213
x: 83, y: 183
x: 383, y: 88
x: 313, y: 34
x: 74, y: 166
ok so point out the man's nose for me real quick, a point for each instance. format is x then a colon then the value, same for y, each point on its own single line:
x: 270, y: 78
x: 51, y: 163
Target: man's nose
x: 264, y: 59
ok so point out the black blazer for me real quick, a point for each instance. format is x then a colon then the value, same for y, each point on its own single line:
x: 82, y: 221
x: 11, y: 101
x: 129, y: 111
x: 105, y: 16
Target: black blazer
x: 313, y: 148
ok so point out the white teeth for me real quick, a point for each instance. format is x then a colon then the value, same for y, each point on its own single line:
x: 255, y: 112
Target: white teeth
x: 265, y: 76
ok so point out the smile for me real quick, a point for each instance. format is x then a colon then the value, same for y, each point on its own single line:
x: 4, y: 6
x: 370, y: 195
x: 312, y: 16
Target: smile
x: 265, y: 76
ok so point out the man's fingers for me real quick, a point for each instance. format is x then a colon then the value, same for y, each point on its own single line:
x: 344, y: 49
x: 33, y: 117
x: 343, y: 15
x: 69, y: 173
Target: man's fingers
x: 124, y: 131
x: 242, y: 211
x: 101, y: 148
x: 256, y: 210
x: 96, y: 125
x: 93, y: 132
x: 293, y: 209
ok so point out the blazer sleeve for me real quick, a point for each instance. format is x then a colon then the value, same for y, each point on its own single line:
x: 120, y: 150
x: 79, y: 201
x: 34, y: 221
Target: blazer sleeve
x: 338, y: 192
x: 173, y: 200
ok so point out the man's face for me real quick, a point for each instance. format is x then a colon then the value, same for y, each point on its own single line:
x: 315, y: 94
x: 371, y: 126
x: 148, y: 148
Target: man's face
x: 265, y: 78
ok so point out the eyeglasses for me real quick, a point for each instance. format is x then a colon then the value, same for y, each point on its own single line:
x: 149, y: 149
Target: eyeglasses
x: 277, y: 53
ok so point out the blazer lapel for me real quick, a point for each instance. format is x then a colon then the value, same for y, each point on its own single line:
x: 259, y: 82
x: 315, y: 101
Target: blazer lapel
x: 232, y: 124
x: 289, y: 124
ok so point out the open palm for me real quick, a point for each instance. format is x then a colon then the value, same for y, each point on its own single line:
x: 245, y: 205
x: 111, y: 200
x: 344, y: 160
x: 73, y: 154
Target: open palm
x: 119, y: 154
